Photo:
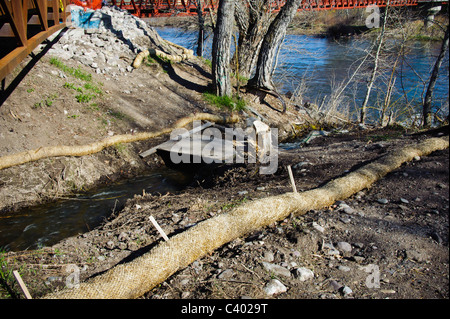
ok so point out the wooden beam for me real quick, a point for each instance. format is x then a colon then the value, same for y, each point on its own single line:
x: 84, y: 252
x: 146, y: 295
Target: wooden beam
x: 56, y: 11
x: 13, y: 13
x: 41, y: 5
x: 10, y: 61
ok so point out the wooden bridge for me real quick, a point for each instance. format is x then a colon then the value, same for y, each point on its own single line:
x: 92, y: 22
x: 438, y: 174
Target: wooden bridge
x: 24, y: 24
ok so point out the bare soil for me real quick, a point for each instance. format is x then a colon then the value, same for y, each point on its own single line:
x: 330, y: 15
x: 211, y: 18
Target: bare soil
x: 397, y: 231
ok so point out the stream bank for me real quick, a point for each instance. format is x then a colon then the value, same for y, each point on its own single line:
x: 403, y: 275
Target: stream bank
x: 400, y: 225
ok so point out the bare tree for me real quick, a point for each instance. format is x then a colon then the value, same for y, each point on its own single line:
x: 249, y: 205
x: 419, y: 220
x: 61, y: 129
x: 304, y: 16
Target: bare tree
x: 221, y: 48
x: 380, y: 39
x: 272, y: 39
x: 426, y: 111
x: 201, y: 28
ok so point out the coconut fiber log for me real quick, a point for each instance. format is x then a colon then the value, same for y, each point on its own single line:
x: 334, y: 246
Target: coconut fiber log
x: 133, y: 279
x: 81, y: 150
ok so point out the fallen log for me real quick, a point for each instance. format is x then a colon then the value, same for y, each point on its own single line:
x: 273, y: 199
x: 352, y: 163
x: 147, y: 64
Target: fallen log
x: 87, y: 149
x: 133, y: 279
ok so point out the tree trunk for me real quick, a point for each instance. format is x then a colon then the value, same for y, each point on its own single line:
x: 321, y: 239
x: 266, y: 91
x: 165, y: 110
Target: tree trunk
x: 272, y: 39
x: 201, y: 28
x: 252, y: 17
x: 362, y: 118
x: 426, y: 111
x: 221, y: 48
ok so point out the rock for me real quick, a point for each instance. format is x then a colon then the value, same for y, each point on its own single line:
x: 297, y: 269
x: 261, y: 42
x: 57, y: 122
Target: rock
x: 268, y: 256
x: 343, y: 268
x: 304, y: 274
x: 110, y: 244
x: 226, y: 274
x: 349, y: 210
x: 329, y: 249
x: 335, y: 285
x: 123, y: 236
x: 318, y: 227
x: 358, y: 259
x: 382, y: 201
x: 185, y: 294
x: 344, y: 247
x: 184, y: 282
x: 197, y: 266
x: 274, y: 287
x: 276, y: 269
x: 346, y: 291
x: 404, y: 201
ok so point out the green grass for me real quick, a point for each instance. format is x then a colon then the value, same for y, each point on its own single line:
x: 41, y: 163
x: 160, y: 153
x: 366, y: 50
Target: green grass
x: 84, y: 97
x: 231, y: 103
x: 7, y: 280
x: 207, y: 62
x: 87, y: 92
x: 45, y: 102
x: 77, y: 73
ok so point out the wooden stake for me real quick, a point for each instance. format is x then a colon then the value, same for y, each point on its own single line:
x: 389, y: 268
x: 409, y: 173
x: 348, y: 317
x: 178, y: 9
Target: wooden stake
x: 294, y: 188
x: 163, y: 234
x: 22, y: 284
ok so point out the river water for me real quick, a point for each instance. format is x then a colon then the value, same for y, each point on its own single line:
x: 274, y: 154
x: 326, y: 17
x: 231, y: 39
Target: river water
x: 315, y: 65
x: 45, y: 225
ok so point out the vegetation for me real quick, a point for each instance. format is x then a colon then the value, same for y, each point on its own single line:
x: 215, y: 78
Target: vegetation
x: 7, y: 289
x: 231, y: 103
x: 77, y: 73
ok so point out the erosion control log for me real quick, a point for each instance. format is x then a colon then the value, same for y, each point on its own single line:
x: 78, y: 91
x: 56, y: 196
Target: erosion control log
x: 133, y: 279
x: 81, y: 150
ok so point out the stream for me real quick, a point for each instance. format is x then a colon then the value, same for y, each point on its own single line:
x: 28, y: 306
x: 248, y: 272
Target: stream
x: 45, y: 225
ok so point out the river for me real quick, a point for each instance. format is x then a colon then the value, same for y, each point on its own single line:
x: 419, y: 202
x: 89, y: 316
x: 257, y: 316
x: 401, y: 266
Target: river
x: 316, y: 67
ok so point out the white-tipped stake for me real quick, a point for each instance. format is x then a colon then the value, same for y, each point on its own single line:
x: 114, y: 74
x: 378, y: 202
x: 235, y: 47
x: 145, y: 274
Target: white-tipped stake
x: 294, y: 188
x: 22, y: 284
x: 163, y: 234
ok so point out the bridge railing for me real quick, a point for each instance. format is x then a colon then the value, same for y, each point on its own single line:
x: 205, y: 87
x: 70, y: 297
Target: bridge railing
x: 24, y: 24
x: 155, y: 8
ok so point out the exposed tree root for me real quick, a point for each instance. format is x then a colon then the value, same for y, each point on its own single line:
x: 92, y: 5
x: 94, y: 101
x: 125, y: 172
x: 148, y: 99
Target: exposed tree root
x: 133, y: 279
x: 81, y: 150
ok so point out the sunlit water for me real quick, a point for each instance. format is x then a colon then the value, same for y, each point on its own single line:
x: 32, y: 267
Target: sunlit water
x: 45, y: 225
x: 317, y: 66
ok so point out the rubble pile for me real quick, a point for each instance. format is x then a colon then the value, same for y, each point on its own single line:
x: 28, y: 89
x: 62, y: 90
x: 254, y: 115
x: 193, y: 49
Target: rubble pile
x: 107, y: 40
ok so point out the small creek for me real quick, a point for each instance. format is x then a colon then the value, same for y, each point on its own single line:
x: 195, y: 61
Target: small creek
x: 45, y: 225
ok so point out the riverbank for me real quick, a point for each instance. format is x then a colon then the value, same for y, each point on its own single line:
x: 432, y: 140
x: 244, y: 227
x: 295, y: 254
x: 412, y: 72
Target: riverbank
x: 399, y: 227
x: 404, y: 217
